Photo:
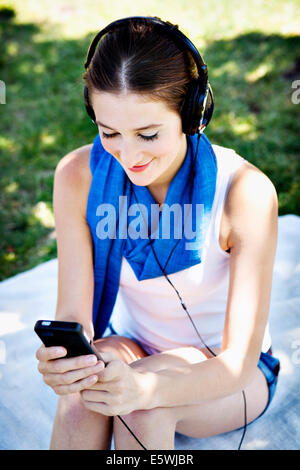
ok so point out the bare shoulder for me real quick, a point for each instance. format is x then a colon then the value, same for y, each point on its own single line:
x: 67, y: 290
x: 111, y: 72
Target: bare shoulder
x: 252, y: 197
x: 249, y: 184
x: 73, y: 173
x: 76, y: 164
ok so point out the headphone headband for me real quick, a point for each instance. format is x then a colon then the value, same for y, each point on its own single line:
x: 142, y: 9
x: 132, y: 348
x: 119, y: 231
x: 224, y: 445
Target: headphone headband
x: 198, y: 106
x: 172, y: 29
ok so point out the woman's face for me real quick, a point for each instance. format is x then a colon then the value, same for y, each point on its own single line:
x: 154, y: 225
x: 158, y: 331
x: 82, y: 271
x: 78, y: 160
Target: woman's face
x: 137, y: 130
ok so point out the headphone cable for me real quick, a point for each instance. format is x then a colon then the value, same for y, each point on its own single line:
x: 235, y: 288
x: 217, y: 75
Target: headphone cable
x: 131, y: 432
x: 181, y: 301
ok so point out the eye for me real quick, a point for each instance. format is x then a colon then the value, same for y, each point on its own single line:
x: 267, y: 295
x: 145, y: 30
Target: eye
x: 149, y: 137
x: 108, y: 136
x: 144, y: 137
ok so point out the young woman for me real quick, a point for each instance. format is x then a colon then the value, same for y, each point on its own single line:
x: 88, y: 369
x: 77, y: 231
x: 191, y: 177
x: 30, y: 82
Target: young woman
x: 189, y: 368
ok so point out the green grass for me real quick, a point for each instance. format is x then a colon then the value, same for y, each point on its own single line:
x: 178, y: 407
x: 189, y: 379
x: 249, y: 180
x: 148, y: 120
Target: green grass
x: 252, y: 52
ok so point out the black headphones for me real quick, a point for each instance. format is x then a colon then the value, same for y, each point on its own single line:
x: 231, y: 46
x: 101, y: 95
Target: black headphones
x: 198, y: 105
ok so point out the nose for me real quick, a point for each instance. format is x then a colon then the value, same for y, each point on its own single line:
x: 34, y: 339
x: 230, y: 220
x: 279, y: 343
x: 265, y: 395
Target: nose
x: 130, y: 155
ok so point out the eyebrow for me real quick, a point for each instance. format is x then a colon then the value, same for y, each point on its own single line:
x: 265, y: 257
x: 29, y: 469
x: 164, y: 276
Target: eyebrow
x: 138, y: 129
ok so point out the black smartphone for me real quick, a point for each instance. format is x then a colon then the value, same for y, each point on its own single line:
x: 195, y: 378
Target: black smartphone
x: 68, y: 334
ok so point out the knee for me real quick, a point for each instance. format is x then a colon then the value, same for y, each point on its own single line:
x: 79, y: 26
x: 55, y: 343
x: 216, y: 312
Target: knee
x: 71, y: 410
x: 72, y: 414
x: 125, y: 348
x: 143, y: 419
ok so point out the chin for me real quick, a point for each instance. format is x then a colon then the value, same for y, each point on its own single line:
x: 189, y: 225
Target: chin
x: 138, y: 181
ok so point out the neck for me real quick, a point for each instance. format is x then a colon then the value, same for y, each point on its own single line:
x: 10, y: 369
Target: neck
x: 159, y: 188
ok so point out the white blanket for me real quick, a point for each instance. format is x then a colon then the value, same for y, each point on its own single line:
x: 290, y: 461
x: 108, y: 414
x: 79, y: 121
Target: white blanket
x: 27, y: 405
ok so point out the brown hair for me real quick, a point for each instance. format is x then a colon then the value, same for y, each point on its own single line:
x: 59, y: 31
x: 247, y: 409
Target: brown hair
x: 139, y: 57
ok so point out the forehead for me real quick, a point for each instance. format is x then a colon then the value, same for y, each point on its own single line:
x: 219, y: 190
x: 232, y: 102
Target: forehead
x: 115, y: 110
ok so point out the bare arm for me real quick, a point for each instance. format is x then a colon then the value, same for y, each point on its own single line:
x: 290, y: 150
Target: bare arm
x: 75, y: 274
x: 253, y: 242
x: 74, y: 243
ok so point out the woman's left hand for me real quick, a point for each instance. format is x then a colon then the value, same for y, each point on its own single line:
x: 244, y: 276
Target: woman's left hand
x: 120, y: 389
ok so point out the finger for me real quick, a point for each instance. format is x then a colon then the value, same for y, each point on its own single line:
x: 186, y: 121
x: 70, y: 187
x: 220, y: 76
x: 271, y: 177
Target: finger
x: 108, y: 356
x: 97, y: 396
x: 76, y: 386
x: 47, y: 354
x: 102, y: 408
x: 72, y: 363
x: 113, y: 371
x: 101, y: 386
x: 70, y: 377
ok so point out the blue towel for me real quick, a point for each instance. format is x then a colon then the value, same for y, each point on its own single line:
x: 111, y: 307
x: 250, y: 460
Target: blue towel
x: 125, y: 220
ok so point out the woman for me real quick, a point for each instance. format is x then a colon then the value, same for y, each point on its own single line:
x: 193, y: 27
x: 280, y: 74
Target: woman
x: 159, y: 375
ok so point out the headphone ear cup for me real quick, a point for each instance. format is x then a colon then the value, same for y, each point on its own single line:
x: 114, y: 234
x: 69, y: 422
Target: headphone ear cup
x: 187, y: 109
x: 193, y: 107
x: 209, y: 107
x: 88, y: 107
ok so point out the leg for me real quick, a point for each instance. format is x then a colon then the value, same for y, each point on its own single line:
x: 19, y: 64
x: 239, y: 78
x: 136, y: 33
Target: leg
x: 225, y: 414
x: 76, y: 428
x: 92, y: 430
x: 156, y: 428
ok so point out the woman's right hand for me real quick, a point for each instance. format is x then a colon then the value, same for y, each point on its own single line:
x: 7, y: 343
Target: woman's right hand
x: 67, y: 375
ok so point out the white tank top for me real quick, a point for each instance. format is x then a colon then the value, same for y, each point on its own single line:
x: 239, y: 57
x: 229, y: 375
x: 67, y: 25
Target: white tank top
x: 150, y: 311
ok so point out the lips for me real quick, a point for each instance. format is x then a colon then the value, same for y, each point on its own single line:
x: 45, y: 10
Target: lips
x: 140, y: 167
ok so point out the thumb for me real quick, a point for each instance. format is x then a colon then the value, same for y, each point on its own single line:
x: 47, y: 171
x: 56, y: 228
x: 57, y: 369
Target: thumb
x: 108, y: 356
x: 114, y: 367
